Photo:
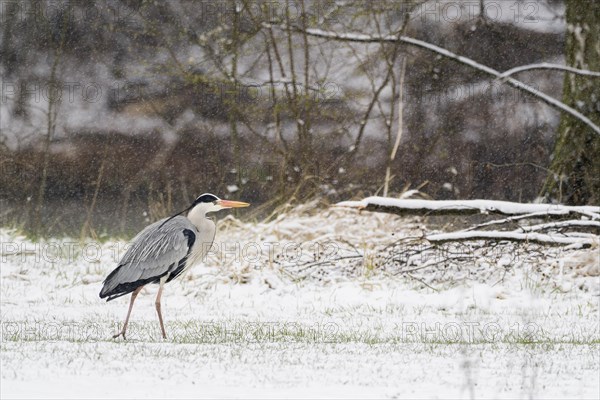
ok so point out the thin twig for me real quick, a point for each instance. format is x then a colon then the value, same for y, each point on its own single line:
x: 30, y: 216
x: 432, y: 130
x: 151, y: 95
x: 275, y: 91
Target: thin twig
x: 422, y: 281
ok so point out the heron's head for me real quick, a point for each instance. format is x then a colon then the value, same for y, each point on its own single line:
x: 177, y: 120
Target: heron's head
x: 210, y: 203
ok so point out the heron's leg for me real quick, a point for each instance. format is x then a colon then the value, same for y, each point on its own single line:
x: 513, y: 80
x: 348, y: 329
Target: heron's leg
x: 157, y: 303
x: 133, y: 296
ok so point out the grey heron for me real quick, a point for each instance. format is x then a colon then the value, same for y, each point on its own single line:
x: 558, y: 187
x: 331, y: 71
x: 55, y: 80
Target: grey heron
x: 163, y: 251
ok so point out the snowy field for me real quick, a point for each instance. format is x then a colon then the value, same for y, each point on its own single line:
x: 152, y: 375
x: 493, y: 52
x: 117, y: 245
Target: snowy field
x: 300, y: 306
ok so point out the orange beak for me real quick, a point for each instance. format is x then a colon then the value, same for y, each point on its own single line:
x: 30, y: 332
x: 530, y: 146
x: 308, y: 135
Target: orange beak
x: 232, y: 204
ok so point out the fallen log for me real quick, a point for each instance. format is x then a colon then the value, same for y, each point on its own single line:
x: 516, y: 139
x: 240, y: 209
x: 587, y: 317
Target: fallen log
x: 420, y: 207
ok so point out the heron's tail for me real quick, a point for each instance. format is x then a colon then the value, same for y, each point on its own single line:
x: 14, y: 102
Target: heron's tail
x: 113, y: 288
x: 110, y: 286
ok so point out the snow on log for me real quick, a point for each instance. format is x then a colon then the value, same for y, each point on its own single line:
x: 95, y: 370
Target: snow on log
x: 468, y: 207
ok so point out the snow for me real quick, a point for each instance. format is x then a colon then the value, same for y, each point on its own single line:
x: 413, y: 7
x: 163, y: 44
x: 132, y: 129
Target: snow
x: 232, y: 188
x: 243, y: 324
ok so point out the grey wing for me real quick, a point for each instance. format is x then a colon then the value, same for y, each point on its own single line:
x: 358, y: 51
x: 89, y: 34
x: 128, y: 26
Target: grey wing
x: 154, y: 252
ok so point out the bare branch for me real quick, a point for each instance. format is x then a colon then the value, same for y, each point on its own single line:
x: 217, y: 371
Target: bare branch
x: 508, y: 220
x: 362, y: 38
x: 559, y: 67
x: 510, y: 236
x: 561, y: 225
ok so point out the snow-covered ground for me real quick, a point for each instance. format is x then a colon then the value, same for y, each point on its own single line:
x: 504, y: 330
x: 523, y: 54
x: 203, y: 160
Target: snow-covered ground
x: 259, y: 319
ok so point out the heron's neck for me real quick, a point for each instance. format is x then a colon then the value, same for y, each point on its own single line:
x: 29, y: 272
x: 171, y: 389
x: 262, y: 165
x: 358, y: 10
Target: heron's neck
x: 198, y: 215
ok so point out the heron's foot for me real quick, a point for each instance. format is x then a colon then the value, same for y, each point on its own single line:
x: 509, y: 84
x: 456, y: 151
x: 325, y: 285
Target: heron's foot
x: 122, y: 333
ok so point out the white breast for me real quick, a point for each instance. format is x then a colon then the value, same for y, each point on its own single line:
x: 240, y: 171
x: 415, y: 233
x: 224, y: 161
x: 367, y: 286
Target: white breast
x: 202, y: 244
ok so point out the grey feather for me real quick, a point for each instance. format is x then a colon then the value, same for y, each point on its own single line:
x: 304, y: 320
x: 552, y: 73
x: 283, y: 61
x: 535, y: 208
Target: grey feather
x: 155, y: 251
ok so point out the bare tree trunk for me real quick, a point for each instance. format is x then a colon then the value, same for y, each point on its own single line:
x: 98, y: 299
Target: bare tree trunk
x: 87, y: 228
x: 303, y: 150
x: 576, y: 177
x: 53, y: 104
x: 233, y: 113
x: 280, y: 140
x: 310, y: 163
x: 394, y: 151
